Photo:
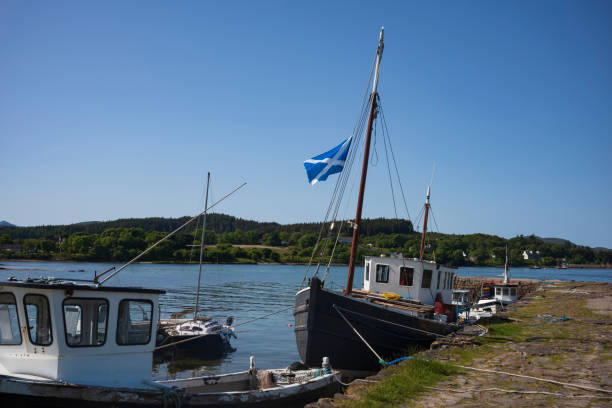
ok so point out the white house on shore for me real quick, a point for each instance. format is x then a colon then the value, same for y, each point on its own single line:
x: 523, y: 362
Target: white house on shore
x: 531, y: 254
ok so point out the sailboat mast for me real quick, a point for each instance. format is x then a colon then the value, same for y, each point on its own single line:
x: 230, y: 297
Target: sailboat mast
x: 364, y: 169
x: 506, y: 267
x: 425, y: 224
x: 195, y: 309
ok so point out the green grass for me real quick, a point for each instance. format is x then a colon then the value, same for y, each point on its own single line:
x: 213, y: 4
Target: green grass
x: 504, y: 332
x: 402, y: 383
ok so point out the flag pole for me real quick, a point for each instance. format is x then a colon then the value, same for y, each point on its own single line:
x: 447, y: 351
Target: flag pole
x: 364, y: 169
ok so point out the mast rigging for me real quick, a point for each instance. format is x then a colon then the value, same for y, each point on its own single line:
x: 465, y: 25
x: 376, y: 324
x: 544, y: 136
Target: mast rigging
x: 364, y: 169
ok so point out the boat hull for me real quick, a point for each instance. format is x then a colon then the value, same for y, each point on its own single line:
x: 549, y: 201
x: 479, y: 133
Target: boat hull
x: 320, y: 330
x: 230, y: 390
x: 208, y: 347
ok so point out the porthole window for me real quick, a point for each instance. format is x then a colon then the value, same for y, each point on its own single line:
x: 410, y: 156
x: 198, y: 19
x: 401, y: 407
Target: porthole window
x: 38, y: 319
x: 134, y: 322
x: 9, y: 320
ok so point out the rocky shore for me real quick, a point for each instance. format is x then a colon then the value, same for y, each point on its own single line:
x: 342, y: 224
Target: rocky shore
x: 556, y: 341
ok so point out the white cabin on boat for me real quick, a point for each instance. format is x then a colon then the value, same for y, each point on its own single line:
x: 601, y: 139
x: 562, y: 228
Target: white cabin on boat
x: 410, y: 278
x: 59, y: 330
x: 506, y: 293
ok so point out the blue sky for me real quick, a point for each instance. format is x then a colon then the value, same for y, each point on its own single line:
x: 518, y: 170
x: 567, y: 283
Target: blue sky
x: 118, y: 109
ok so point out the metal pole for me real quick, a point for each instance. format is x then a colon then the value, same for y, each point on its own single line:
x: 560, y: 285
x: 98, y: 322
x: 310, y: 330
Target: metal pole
x: 195, y: 310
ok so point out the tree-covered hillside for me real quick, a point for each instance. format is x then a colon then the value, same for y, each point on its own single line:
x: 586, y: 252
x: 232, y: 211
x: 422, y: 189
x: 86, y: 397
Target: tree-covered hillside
x: 231, y: 239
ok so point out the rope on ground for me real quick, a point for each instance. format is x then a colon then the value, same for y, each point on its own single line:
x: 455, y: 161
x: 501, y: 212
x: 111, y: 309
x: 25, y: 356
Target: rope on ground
x: 358, y: 380
x: 584, y: 387
x: 240, y: 324
x: 495, y: 389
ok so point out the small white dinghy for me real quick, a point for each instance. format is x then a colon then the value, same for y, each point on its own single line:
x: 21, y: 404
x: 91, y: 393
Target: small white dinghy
x: 66, y: 344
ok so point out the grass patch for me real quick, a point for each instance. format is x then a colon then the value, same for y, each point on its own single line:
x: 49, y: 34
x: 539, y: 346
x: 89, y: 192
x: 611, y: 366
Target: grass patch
x: 403, y: 383
x: 504, y: 332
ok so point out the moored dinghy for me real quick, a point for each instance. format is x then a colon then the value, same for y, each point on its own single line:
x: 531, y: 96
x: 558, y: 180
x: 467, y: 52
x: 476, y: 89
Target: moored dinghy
x: 69, y: 344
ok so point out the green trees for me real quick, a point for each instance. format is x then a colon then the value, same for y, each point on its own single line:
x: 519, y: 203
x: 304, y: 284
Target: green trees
x: 122, y: 240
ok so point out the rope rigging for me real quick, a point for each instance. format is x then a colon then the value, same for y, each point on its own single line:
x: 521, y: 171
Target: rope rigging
x: 344, y: 176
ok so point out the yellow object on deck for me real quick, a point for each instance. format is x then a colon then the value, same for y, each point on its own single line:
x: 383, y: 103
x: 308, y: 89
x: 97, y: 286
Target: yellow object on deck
x: 391, y: 295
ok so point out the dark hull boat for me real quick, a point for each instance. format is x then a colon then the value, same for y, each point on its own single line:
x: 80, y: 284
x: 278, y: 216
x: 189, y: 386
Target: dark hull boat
x: 320, y: 329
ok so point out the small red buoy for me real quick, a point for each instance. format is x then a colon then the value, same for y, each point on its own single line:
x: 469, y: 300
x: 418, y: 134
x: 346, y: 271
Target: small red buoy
x: 289, y: 325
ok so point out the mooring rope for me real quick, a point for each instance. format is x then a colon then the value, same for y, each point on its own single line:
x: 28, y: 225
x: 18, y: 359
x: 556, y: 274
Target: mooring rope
x: 397, y: 324
x: 380, y: 359
x: 496, y: 389
x: 584, y: 387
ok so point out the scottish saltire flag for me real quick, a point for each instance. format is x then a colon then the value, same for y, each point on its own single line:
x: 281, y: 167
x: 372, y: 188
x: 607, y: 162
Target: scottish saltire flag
x: 325, y: 164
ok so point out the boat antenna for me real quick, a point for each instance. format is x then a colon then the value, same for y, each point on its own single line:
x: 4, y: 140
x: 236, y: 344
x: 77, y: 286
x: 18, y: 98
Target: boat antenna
x: 195, y: 309
x: 146, y: 251
x: 506, y: 267
x: 364, y: 169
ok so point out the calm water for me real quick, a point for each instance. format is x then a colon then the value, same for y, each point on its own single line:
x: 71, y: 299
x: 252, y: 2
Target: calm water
x: 245, y: 292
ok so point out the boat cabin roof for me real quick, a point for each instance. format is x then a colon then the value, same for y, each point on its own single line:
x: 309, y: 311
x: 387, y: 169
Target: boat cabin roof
x: 55, y: 283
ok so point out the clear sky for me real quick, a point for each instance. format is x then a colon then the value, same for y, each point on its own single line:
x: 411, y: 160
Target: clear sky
x: 118, y: 109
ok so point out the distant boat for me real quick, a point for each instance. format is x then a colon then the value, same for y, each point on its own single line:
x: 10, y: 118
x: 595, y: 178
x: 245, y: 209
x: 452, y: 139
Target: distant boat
x: 494, y: 296
x: 200, y: 336
x: 404, y: 302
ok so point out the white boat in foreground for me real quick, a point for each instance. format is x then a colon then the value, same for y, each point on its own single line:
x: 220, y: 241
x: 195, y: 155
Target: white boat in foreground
x: 83, y: 344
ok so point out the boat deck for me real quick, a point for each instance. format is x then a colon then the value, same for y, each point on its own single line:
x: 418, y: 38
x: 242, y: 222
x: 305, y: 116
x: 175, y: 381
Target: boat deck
x: 404, y: 304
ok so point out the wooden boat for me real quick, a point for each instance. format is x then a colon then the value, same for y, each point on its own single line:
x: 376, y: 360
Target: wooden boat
x: 359, y: 329
x: 68, y: 344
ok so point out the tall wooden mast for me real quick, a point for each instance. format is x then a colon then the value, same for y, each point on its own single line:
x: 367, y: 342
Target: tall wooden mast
x: 364, y: 169
x: 425, y: 224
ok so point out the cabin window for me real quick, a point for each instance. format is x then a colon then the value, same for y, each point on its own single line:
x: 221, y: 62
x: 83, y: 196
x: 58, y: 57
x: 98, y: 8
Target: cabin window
x: 9, y: 320
x: 513, y: 291
x: 406, y: 276
x: 38, y: 318
x: 439, y: 276
x: 382, y: 273
x: 498, y: 291
x: 506, y: 291
x: 134, y: 323
x: 445, y: 280
x: 367, y: 271
x: 452, y: 280
x: 85, y: 321
x: 426, y: 282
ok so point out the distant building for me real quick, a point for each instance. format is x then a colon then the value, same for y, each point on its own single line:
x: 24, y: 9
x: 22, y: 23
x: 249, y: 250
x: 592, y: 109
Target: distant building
x: 531, y: 254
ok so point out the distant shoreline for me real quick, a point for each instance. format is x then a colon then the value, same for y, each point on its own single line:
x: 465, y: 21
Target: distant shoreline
x: 571, y: 266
